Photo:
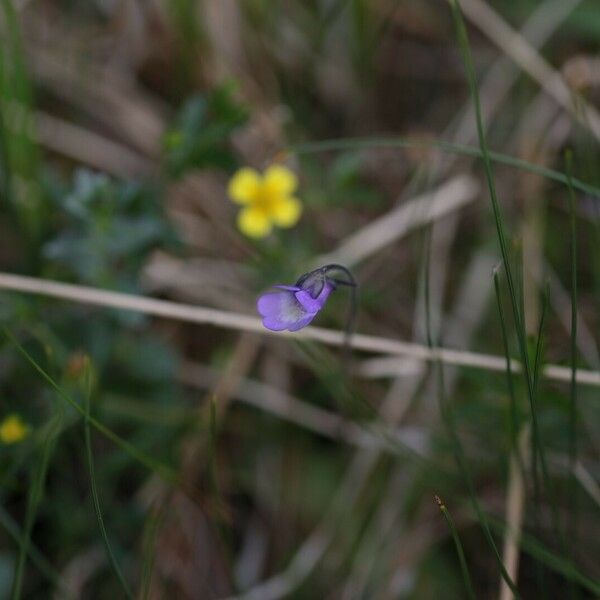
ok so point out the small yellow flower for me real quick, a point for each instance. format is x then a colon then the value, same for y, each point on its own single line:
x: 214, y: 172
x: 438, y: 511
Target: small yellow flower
x: 267, y: 199
x: 13, y: 430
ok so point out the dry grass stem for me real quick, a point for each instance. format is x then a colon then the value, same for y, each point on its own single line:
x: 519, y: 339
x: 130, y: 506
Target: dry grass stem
x: 382, y: 367
x: 515, y: 505
x: 392, y: 226
x: 513, y: 44
x: 87, y: 147
x: 285, y: 406
x: 502, y: 75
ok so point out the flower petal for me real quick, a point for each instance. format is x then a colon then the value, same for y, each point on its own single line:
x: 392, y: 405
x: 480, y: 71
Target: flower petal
x: 302, y: 322
x: 269, y: 304
x: 281, y: 310
x: 274, y: 324
x: 287, y: 211
x: 280, y: 180
x: 254, y: 223
x: 244, y: 186
x: 13, y: 430
x: 311, y: 304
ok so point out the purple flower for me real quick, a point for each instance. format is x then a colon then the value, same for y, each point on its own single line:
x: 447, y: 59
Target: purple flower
x: 295, y: 306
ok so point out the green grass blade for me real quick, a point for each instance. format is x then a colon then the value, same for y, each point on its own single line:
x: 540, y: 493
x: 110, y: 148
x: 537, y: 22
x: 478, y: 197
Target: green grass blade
x: 539, y: 448
x: 573, y: 487
x: 459, y: 549
x: 535, y: 447
x: 41, y: 563
x: 162, y: 470
x: 514, y: 410
x: 461, y: 460
x: 363, y: 414
x: 151, y: 532
x: 20, y: 153
x: 463, y: 42
x: 449, y: 147
x: 536, y: 550
x: 539, y: 346
x: 518, y: 315
x: 95, y: 496
x: 448, y: 419
x: 213, y: 478
x: 36, y: 494
x: 6, y: 184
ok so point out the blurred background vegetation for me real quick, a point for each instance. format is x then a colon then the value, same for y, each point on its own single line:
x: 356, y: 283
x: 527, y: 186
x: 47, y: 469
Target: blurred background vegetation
x: 121, y: 123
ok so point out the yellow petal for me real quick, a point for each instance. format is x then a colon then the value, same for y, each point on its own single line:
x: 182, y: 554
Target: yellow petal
x: 13, y: 430
x: 287, y: 211
x: 254, y: 223
x: 280, y: 180
x: 244, y: 186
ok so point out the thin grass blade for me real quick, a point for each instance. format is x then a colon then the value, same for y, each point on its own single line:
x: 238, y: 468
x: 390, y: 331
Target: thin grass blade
x: 94, y: 488
x: 36, y: 494
x: 464, y: 568
x: 449, y: 147
x: 573, y: 487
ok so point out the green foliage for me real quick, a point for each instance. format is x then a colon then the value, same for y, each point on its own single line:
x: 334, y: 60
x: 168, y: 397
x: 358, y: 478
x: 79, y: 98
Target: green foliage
x: 39, y: 471
x: 99, y: 232
x: 200, y: 134
x: 104, y: 231
x: 269, y: 457
x: 341, y: 183
x: 19, y: 155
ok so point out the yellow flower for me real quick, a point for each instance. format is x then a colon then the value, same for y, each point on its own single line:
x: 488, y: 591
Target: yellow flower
x: 267, y: 199
x: 13, y: 430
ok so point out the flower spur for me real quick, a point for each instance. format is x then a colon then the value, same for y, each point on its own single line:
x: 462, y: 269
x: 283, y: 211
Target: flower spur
x: 295, y: 306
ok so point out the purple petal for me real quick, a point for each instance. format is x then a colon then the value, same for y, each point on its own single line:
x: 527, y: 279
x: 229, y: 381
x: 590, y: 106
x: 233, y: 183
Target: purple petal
x: 314, y: 304
x: 310, y: 304
x: 274, y: 324
x: 269, y: 304
x: 302, y: 322
x: 280, y: 310
x: 293, y: 308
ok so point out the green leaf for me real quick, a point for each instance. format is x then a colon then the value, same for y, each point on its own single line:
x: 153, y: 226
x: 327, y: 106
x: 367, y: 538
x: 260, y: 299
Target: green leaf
x: 201, y: 131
